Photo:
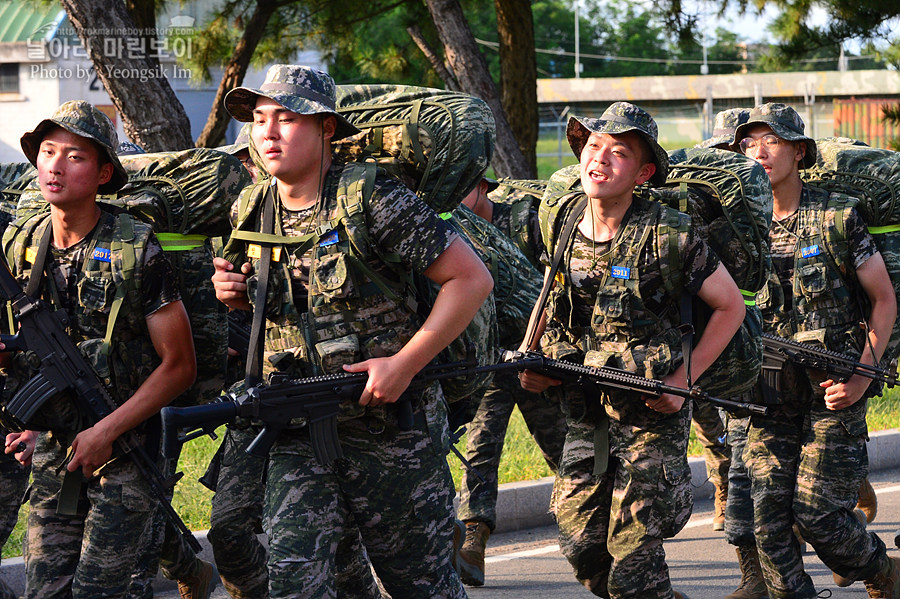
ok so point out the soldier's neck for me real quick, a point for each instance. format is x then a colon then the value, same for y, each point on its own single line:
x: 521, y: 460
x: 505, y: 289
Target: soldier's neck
x: 603, y: 217
x: 786, y: 195
x: 302, y: 191
x: 71, y: 225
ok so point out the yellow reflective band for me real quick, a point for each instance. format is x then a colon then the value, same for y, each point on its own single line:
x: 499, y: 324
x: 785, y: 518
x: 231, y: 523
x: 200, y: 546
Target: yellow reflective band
x: 446, y: 215
x: 255, y: 251
x: 751, y: 295
x: 176, y: 242
x: 884, y: 229
x: 30, y: 254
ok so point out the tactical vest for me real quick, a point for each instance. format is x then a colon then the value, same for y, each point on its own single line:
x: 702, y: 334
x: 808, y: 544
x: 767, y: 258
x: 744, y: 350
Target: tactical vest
x: 110, y: 327
x: 828, y: 303
x: 359, y: 299
x: 623, y: 332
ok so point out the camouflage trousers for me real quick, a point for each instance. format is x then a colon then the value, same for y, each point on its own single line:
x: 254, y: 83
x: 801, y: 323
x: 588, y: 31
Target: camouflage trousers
x: 806, y: 466
x: 612, y: 525
x: 739, y: 507
x: 487, y: 432
x: 236, y: 517
x: 13, y: 482
x: 87, y: 556
x: 711, y: 434
x: 393, y: 486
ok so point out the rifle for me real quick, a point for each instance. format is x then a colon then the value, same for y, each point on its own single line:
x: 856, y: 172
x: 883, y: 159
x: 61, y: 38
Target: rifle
x: 317, y: 399
x: 63, y: 369
x: 777, y: 351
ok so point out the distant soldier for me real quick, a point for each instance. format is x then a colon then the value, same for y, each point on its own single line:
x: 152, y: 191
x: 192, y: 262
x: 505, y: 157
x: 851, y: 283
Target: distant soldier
x: 107, y: 272
x: 487, y: 431
x: 240, y: 149
x: 326, y: 314
x: 614, y: 303
x: 807, y: 458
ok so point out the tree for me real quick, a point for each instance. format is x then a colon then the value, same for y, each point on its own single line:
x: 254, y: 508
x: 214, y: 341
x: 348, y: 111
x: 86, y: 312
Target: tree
x: 471, y: 71
x: 151, y: 113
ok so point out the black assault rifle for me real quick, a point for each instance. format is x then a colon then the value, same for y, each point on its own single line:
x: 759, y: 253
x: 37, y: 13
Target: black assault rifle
x: 63, y: 369
x: 777, y: 351
x: 317, y: 399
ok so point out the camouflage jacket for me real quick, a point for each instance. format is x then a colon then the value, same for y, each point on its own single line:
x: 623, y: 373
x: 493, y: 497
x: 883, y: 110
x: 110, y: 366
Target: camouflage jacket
x: 622, y: 330
x: 109, y: 283
x: 827, y: 301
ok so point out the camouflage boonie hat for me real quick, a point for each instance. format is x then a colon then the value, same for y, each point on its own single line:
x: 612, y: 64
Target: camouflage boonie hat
x: 785, y: 123
x: 241, y: 142
x: 129, y: 148
x: 82, y: 119
x: 621, y: 117
x: 300, y: 89
x: 727, y: 121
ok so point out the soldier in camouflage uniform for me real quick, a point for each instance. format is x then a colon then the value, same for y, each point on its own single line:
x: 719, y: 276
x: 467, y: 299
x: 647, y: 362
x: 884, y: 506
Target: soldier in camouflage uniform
x: 624, y: 483
x: 91, y: 553
x: 240, y: 149
x: 512, y: 207
x: 14, y: 479
x: 333, y: 307
x: 487, y: 431
x: 808, y: 457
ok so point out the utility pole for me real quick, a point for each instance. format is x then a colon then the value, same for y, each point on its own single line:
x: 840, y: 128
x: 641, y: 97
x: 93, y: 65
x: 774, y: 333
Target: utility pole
x: 577, y: 44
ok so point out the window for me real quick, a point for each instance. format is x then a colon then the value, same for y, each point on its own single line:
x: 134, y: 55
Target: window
x: 9, y: 78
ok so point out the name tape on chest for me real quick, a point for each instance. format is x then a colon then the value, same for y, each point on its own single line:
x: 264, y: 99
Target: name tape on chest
x: 255, y: 251
x: 620, y: 272
x: 810, y: 251
x: 329, y: 239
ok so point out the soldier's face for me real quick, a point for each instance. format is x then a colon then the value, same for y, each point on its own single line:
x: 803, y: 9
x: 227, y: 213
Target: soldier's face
x: 291, y: 145
x: 780, y: 159
x: 612, y: 165
x: 69, y: 170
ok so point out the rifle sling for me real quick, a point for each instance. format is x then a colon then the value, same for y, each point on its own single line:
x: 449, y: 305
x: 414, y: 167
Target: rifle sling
x: 40, y: 261
x: 253, y: 373
x: 70, y: 490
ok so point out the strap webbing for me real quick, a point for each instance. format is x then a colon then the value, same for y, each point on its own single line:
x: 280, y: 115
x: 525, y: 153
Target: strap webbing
x: 40, y: 261
x: 177, y: 242
x: 884, y: 229
x: 749, y: 297
x: 253, y: 372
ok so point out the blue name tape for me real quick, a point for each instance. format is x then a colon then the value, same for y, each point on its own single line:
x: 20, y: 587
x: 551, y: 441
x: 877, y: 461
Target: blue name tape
x: 621, y: 272
x: 102, y: 254
x: 329, y: 239
x: 810, y: 251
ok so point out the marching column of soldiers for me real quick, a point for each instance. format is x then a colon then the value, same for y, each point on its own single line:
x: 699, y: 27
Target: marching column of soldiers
x: 325, y: 283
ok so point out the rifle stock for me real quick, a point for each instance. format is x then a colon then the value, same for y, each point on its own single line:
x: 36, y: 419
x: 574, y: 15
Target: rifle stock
x: 63, y: 369
x: 318, y: 399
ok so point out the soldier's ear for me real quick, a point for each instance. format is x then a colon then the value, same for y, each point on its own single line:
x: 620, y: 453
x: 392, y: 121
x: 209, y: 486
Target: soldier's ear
x: 645, y: 173
x: 329, y: 126
x: 106, y: 172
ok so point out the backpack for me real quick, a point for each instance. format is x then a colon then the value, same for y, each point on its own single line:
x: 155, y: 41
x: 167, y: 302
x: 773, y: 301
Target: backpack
x: 439, y: 143
x: 15, y: 177
x: 186, y: 197
x: 871, y: 175
x: 523, y: 196
x: 728, y: 197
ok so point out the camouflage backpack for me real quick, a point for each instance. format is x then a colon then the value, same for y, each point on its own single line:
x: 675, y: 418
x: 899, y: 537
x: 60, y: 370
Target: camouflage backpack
x: 522, y: 196
x: 872, y: 176
x: 15, y: 177
x: 437, y: 142
x: 729, y: 199
x: 186, y: 196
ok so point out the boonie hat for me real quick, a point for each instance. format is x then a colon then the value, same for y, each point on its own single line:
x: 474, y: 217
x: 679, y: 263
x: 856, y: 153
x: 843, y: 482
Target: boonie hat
x: 300, y: 89
x: 241, y: 142
x: 621, y: 117
x: 726, y: 123
x: 82, y: 119
x: 785, y: 123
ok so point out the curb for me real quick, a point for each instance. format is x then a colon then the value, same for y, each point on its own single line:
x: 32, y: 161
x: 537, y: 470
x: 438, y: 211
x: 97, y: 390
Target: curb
x: 524, y: 504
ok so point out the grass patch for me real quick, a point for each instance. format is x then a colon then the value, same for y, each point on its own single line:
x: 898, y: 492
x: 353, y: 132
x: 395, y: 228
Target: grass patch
x: 521, y: 460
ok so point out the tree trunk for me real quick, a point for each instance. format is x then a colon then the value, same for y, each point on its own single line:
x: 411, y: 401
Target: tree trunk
x: 471, y: 70
x: 152, y: 116
x: 518, y: 74
x: 213, y: 133
x: 415, y: 32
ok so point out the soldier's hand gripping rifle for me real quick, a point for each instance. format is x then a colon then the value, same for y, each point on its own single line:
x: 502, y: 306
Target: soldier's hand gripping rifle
x: 776, y: 351
x: 317, y: 399
x: 63, y: 369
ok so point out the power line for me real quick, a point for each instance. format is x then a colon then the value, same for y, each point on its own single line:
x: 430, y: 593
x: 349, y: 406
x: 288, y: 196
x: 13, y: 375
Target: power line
x: 561, y: 52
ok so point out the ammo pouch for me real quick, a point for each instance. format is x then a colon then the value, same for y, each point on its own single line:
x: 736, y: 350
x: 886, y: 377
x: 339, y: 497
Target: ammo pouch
x: 770, y: 380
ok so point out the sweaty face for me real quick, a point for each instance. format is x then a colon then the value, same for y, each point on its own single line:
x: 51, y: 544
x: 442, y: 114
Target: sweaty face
x: 778, y: 156
x: 612, y: 165
x: 69, y: 170
x: 290, y: 144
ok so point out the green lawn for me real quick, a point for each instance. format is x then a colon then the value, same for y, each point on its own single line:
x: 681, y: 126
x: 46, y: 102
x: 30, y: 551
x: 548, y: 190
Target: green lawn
x: 521, y: 461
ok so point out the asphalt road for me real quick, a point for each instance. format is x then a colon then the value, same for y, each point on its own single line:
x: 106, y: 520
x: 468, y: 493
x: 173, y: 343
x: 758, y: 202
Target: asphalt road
x: 702, y: 565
